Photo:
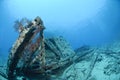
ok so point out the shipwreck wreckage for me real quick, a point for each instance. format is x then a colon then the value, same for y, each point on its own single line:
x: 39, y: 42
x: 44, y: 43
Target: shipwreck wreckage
x: 28, y: 54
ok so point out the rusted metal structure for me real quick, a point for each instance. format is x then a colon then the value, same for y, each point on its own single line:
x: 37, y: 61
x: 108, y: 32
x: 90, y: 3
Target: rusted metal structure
x: 29, y: 41
x: 28, y: 54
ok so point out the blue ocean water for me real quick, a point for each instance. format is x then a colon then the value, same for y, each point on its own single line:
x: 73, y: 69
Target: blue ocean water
x: 80, y: 22
x: 87, y: 22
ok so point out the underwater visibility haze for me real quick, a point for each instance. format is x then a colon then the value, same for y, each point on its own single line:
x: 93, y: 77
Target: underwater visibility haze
x: 84, y: 24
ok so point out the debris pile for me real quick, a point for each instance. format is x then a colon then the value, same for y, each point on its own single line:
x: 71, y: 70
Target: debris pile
x: 32, y: 56
x: 101, y: 63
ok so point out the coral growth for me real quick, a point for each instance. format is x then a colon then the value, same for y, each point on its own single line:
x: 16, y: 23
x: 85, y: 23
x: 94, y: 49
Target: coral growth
x: 21, y: 24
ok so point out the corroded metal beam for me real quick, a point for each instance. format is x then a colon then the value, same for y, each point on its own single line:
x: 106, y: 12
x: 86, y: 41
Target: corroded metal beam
x: 18, y: 48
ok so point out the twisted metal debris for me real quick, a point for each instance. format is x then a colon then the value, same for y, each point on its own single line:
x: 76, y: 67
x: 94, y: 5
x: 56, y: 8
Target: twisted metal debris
x: 27, y: 56
x: 23, y: 44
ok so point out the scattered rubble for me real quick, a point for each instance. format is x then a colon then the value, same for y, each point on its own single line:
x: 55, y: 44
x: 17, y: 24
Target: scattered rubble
x: 102, y: 64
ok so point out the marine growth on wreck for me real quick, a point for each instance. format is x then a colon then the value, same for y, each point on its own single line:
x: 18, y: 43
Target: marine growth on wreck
x: 33, y: 56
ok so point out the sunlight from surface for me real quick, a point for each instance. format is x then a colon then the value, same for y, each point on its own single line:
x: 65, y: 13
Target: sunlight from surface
x: 61, y: 12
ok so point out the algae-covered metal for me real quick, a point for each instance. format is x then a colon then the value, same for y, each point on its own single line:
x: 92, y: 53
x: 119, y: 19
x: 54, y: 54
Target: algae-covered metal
x: 32, y: 56
x: 22, y: 46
